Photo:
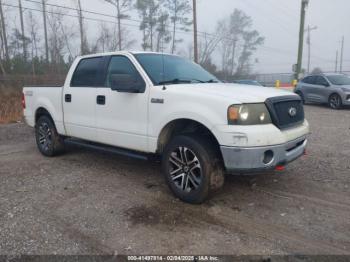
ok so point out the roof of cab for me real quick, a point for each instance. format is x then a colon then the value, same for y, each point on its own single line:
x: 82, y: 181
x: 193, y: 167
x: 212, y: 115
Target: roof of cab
x: 123, y: 53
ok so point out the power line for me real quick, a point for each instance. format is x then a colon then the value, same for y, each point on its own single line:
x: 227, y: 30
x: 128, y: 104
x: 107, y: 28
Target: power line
x: 271, y: 19
x: 187, y: 32
x: 69, y: 15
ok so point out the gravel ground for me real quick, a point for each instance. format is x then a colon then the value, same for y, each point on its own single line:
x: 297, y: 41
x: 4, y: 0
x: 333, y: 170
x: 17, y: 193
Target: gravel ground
x: 87, y: 202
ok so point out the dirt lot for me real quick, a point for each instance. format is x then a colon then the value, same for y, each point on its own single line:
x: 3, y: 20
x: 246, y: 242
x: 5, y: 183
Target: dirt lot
x: 87, y: 202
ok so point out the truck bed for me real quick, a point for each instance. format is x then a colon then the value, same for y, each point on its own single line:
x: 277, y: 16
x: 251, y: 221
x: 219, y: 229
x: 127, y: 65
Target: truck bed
x: 48, y: 97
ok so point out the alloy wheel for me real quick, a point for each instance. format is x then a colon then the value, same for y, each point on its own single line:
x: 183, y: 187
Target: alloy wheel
x: 45, y: 136
x: 335, y: 101
x: 185, y: 169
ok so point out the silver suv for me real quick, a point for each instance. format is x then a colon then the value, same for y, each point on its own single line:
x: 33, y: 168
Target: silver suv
x: 331, y: 89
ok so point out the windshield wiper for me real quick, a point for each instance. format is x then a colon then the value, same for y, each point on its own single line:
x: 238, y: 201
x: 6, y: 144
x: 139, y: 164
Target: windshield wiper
x: 174, y: 81
x: 211, y: 81
x: 186, y: 81
x: 178, y: 81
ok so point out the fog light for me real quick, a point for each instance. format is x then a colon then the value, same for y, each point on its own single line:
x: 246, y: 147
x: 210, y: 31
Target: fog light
x: 268, y: 157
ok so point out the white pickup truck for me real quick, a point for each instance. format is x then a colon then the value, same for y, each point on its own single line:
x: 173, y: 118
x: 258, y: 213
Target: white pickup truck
x: 150, y: 104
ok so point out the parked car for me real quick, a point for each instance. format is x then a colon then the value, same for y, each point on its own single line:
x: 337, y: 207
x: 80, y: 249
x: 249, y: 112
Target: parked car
x: 331, y: 89
x: 248, y: 82
x: 149, y: 104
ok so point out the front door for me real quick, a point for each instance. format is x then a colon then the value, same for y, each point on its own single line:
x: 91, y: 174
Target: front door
x: 122, y: 117
x: 321, y: 90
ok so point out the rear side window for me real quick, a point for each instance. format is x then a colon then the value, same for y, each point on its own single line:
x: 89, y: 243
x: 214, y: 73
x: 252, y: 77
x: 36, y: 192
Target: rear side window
x: 309, y: 80
x: 88, y: 72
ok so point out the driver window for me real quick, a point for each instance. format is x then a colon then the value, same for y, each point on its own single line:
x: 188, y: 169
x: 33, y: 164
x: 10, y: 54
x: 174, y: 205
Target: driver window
x: 321, y: 81
x: 122, y: 66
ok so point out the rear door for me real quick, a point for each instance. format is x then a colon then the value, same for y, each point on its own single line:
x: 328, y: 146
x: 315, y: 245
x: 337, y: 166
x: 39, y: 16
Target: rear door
x: 308, y: 85
x: 79, y: 99
x: 122, y: 117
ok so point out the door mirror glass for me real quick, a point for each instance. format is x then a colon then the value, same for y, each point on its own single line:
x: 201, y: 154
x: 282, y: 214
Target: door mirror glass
x: 125, y: 83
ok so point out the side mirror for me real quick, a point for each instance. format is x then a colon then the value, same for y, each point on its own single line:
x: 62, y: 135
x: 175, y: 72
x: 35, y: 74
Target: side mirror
x: 126, y: 83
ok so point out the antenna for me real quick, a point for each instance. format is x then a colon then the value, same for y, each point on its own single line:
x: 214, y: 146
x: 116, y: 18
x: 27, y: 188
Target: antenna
x: 163, y: 66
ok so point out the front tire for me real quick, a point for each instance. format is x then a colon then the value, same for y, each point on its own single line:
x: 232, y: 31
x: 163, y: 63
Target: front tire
x: 192, y: 168
x: 335, y: 102
x: 49, y: 142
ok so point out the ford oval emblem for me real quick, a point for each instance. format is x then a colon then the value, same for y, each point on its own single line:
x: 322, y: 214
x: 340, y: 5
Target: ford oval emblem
x: 292, y: 111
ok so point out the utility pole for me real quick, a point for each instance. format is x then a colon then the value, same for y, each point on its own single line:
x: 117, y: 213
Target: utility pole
x: 119, y: 27
x: 4, y: 34
x: 22, y: 28
x: 336, y: 62
x: 81, y: 26
x: 342, y: 55
x: 195, y: 33
x: 45, y: 32
x: 309, y: 29
x: 304, y: 4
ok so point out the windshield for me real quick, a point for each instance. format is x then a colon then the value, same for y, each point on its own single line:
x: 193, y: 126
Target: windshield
x: 169, y: 69
x: 339, y: 80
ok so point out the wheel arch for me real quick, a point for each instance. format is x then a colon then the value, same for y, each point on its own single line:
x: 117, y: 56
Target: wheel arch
x: 183, y: 126
x: 42, y: 111
x: 334, y: 93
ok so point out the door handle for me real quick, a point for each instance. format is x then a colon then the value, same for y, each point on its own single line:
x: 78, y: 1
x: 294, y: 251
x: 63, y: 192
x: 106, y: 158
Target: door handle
x: 68, y: 98
x: 101, y: 100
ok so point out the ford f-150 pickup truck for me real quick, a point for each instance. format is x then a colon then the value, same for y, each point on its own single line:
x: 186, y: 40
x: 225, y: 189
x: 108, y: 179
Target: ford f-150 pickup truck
x: 151, y: 104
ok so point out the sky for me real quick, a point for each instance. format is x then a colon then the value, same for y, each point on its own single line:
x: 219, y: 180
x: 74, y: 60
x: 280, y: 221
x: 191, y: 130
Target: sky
x: 276, y: 20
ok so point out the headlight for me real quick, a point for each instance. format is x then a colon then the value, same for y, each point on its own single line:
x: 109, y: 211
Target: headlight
x: 248, y: 114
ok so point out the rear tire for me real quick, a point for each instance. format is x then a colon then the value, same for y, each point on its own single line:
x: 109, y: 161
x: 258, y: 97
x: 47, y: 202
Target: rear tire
x: 192, y: 168
x: 335, y: 102
x: 49, y: 142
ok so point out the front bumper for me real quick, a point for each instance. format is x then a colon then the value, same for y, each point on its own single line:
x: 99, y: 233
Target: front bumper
x: 262, y: 158
x: 346, y: 99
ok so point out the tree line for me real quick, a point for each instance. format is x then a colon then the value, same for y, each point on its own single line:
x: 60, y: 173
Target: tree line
x: 44, y: 40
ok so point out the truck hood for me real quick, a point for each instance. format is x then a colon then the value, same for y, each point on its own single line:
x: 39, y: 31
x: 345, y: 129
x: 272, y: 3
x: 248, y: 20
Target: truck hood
x: 236, y: 92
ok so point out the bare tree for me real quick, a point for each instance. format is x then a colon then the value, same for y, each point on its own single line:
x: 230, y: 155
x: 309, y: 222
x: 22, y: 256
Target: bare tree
x: 238, y: 42
x: 122, y: 7
x: 2, y: 53
x: 104, y: 42
x: 60, y: 37
x: 34, y: 38
x: 179, y: 11
x: 251, y: 40
x: 3, y: 32
x: 148, y: 11
x: 207, y: 46
x: 141, y: 7
x: 24, y: 46
x: 163, y: 34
